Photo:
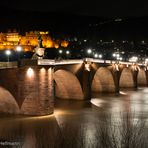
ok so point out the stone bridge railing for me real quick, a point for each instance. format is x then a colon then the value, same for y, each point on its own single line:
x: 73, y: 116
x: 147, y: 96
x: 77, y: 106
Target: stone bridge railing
x: 77, y: 61
x: 4, y: 65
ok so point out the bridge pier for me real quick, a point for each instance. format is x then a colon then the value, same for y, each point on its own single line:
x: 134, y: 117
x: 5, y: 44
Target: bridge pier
x: 135, y: 74
x: 116, y: 76
x: 86, y: 83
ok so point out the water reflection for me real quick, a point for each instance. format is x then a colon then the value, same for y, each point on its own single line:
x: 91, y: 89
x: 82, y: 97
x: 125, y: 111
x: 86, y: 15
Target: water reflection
x: 107, y: 121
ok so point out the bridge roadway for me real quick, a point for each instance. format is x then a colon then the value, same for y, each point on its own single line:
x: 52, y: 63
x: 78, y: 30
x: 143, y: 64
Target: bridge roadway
x: 79, y: 61
x: 31, y: 87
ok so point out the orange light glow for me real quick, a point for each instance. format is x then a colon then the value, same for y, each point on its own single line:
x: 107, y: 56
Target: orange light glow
x: 56, y: 46
x: 64, y: 43
x: 28, y: 41
x: 30, y: 72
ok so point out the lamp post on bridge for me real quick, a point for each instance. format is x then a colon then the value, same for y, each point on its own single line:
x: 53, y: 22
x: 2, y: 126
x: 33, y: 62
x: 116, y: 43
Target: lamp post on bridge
x: 89, y: 52
x: 67, y: 54
x: 8, y: 53
x: 18, y: 49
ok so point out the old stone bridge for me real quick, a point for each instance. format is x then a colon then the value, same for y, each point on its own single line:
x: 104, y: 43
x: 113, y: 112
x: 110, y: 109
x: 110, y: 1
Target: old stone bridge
x: 31, y: 88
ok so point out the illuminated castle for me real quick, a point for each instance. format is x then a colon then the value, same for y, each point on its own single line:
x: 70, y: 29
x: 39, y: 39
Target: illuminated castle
x: 29, y: 41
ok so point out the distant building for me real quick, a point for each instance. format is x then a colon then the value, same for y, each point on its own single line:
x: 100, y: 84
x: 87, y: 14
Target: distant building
x: 29, y: 41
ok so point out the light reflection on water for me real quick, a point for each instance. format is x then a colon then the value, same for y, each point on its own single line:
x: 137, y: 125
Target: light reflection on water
x: 73, y: 120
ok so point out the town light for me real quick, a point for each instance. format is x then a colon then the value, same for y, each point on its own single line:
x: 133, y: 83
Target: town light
x: 60, y: 51
x: 89, y: 51
x: 120, y: 58
x: 117, y: 55
x: 67, y: 52
x: 114, y: 55
x: 96, y: 55
x: 133, y: 59
x: 100, y: 56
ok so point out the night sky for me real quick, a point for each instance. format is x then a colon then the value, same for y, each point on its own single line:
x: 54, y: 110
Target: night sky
x: 105, y: 8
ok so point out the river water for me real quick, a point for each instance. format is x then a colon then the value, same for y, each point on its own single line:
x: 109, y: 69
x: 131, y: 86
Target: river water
x: 120, y: 118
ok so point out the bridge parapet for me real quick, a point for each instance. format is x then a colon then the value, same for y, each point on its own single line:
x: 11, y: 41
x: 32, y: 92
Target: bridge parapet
x: 4, y: 65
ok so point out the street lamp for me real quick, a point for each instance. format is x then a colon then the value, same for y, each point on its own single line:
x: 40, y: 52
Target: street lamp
x: 67, y: 52
x: 18, y: 49
x: 100, y: 56
x: 117, y: 56
x: 89, y: 51
x: 60, y: 51
x: 96, y: 55
x: 114, y: 55
x: 8, y: 53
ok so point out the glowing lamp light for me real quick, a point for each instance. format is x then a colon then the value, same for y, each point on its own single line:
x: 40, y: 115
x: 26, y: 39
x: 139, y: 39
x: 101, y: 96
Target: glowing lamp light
x: 96, y: 55
x: 146, y: 61
x: 120, y: 59
x: 60, y: 51
x: 30, y: 72
x: 43, y: 70
x: 89, y: 51
x: 117, y: 55
x: 114, y: 54
x: 8, y: 52
x: 67, y: 52
x: 100, y: 56
x: 133, y: 59
x: 18, y: 48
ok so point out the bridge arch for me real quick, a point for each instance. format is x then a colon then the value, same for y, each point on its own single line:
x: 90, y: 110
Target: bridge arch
x: 67, y: 85
x: 8, y: 103
x: 141, y: 78
x: 126, y: 78
x: 103, y: 81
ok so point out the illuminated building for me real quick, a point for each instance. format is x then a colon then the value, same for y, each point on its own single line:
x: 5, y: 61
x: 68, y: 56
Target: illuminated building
x: 29, y: 41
